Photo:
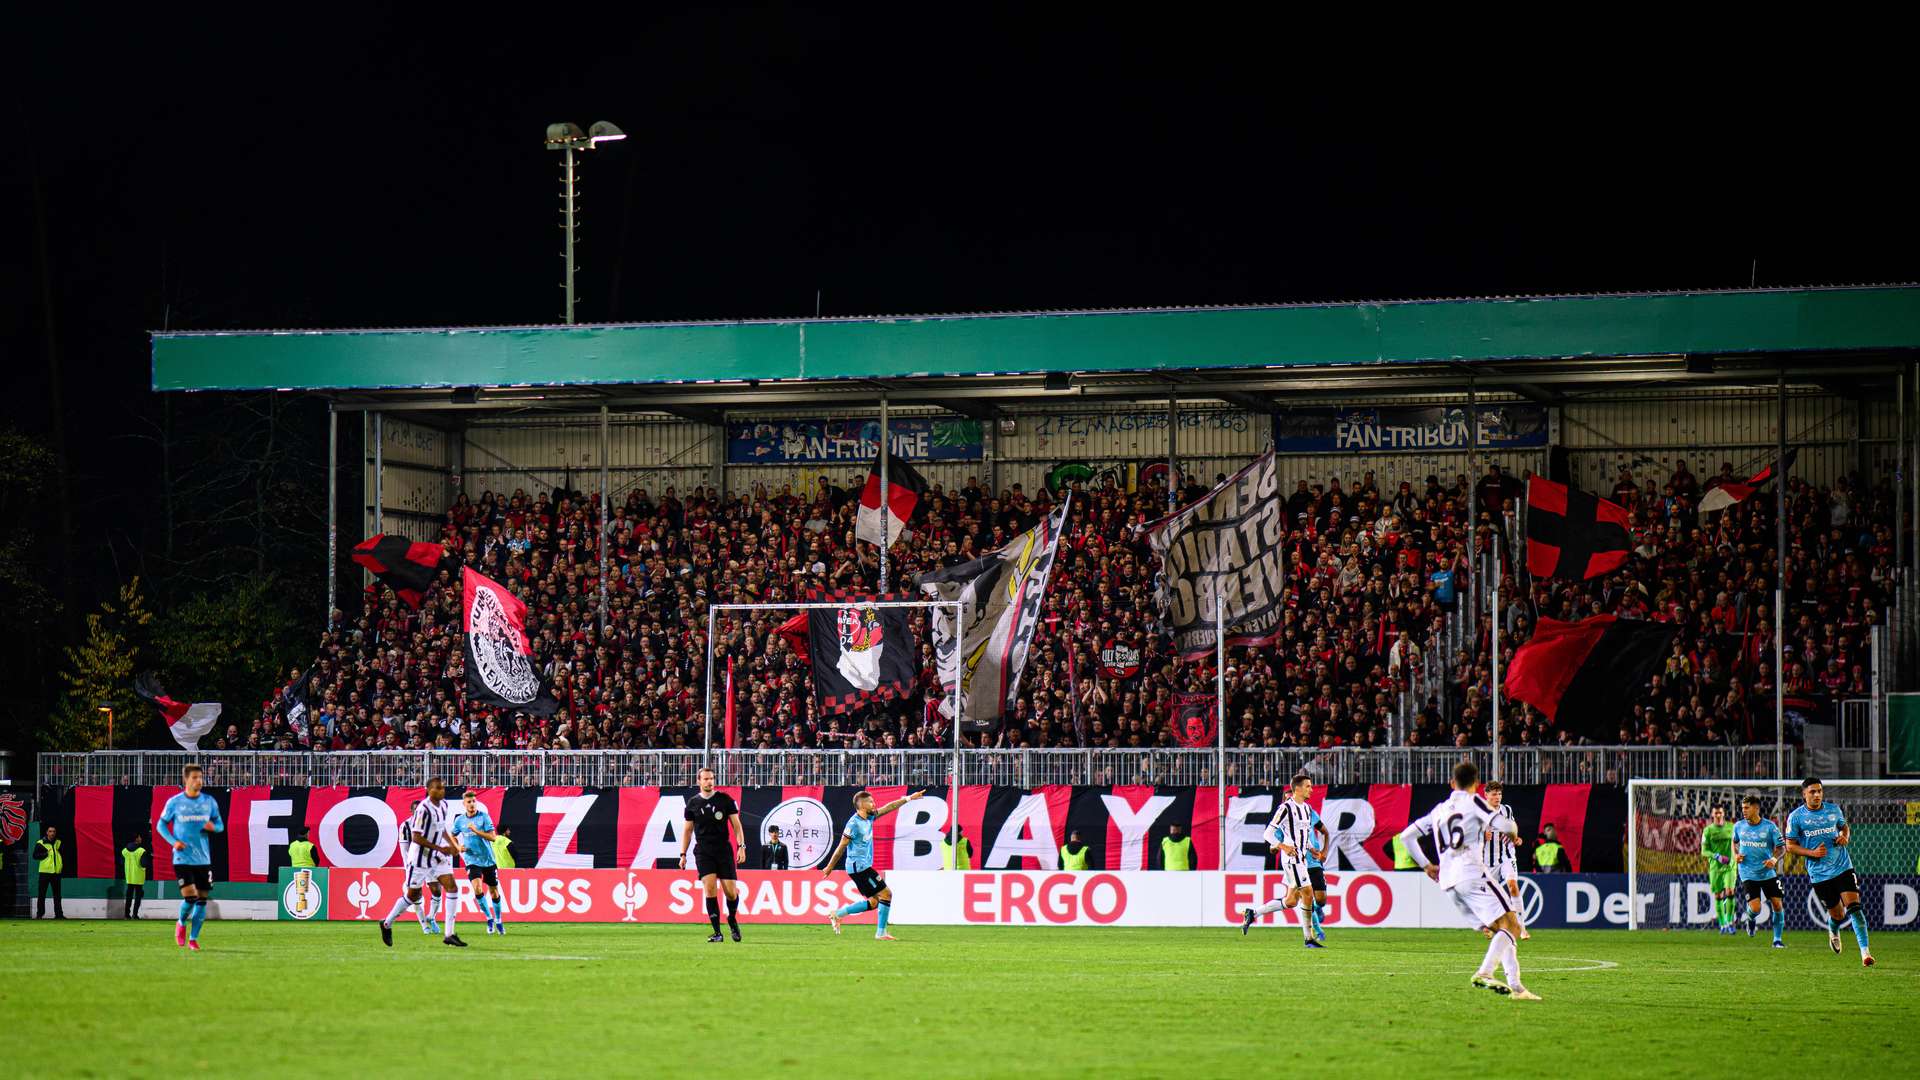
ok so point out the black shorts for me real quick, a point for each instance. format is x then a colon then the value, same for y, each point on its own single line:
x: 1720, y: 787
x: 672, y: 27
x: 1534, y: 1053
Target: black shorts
x: 1319, y: 877
x: 868, y: 881
x: 488, y: 874
x: 1769, y: 888
x: 200, y: 877
x: 1829, y: 890
x: 717, y: 863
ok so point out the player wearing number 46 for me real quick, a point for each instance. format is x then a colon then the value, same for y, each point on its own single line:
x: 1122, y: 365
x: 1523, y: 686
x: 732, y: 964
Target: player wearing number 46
x: 857, y: 841
x: 1818, y: 831
x: 1459, y: 828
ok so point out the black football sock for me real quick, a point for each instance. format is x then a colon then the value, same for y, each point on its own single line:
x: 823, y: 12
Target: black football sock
x: 733, y: 910
x: 713, y: 913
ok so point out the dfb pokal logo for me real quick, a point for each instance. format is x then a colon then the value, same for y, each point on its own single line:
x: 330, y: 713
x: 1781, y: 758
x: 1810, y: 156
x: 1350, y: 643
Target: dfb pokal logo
x: 364, y: 894
x: 630, y: 896
x: 1532, y: 901
x: 301, y: 897
x: 806, y: 828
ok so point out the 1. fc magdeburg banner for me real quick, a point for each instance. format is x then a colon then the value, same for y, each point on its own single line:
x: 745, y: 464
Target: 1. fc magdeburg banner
x: 1231, y: 543
x: 499, y: 659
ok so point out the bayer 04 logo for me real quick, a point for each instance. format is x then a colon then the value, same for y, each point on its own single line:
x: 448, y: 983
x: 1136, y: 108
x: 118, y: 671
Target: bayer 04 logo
x: 1532, y: 901
x: 302, y: 897
x: 806, y: 828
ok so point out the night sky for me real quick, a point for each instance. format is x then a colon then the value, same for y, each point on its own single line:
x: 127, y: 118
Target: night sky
x: 378, y: 172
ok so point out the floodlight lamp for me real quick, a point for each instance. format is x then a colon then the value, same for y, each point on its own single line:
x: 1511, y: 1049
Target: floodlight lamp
x: 562, y: 136
x: 602, y: 131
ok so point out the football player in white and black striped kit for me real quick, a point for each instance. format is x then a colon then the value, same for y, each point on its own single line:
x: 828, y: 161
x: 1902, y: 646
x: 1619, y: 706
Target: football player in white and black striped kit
x: 1499, y: 855
x: 429, y: 863
x: 1291, y: 834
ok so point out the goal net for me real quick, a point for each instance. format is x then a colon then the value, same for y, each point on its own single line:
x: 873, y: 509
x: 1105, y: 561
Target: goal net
x: 1668, y: 875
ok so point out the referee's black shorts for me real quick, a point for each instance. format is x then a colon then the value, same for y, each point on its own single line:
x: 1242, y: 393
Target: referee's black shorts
x: 718, y: 863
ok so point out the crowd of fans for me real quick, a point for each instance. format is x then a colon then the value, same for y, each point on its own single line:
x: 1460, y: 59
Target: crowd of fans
x: 1375, y: 575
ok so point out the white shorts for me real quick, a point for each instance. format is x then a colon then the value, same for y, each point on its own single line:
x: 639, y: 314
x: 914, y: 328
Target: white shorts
x: 1294, y: 872
x: 418, y: 876
x: 1480, y: 900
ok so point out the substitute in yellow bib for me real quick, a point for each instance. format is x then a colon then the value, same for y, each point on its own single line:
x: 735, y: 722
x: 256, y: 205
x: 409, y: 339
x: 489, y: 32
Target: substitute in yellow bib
x: 1073, y: 854
x: 133, y: 869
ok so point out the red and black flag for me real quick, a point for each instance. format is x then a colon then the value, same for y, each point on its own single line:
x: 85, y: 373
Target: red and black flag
x: 1573, y: 534
x: 904, y: 486
x: 1730, y: 492
x: 406, y: 566
x: 499, y: 658
x: 1582, y: 674
x: 859, y: 652
x: 186, y: 721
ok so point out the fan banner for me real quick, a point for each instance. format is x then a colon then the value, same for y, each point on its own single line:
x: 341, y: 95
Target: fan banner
x: 1230, y: 543
x: 499, y: 659
x: 639, y: 828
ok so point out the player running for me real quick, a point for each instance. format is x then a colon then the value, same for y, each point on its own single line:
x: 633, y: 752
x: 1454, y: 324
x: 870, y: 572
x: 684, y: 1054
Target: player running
x: 1716, y: 845
x: 1500, y: 851
x: 857, y: 841
x: 716, y: 855
x: 184, y: 822
x: 1759, y: 847
x: 1458, y: 829
x: 1829, y: 867
x: 1291, y: 834
x: 430, y: 866
x: 473, y: 827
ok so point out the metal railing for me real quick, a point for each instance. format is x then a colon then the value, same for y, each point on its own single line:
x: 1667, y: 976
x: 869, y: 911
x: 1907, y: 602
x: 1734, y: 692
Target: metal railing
x: 933, y: 768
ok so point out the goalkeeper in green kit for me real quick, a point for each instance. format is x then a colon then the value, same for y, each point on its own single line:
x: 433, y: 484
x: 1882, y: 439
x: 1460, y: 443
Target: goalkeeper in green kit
x: 1716, y: 845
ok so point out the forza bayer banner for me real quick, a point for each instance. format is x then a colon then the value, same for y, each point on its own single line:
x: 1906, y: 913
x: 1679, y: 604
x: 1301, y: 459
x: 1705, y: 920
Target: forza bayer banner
x: 1229, y: 543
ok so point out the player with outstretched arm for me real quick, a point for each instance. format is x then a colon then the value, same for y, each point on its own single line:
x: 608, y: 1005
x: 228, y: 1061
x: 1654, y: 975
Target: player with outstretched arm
x: 1817, y: 830
x: 1458, y: 828
x: 856, y: 839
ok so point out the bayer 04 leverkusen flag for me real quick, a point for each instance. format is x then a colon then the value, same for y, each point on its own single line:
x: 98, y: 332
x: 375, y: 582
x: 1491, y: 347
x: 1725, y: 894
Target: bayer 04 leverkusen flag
x: 860, y: 653
x: 904, y: 486
x: 186, y: 721
x: 1582, y: 674
x: 1573, y: 534
x: 406, y: 566
x: 1728, y: 492
x: 499, y: 658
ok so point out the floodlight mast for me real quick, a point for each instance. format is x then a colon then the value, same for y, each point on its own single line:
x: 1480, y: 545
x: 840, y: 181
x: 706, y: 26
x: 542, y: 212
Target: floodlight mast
x: 567, y: 138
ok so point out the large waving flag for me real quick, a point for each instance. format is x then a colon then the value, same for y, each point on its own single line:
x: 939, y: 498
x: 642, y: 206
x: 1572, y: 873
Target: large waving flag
x: 1728, y: 493
x: 406, y: 566
x: 186, y: 722
x: 499, y: 658
x: 1582, y: 674
x: 1573, y: 534
x: 1002, y: 591
x: 904, y: 485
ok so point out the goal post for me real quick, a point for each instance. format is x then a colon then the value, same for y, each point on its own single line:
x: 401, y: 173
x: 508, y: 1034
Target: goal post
x: 1667, y: 875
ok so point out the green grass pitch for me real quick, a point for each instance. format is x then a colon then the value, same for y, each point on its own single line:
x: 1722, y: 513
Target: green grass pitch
x: 286, y: 999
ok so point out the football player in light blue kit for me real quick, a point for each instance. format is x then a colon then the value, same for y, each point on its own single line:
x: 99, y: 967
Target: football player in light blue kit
x: 857, y: 841
x: 1758, y: 848
x: 473, y: 826
x: 1818, y: 831
x: 184, y: 822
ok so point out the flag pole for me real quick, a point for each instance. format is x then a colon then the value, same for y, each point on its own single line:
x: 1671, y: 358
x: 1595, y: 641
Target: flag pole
x: 1220, y: 712
x: 1495, y: 771
x: 959, y: 668
x: 706, y: 723
x: 1780, y: 583
x: 886, y: 491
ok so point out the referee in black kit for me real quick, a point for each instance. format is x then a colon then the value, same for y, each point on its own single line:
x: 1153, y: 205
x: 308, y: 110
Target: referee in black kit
x: 716, y: 856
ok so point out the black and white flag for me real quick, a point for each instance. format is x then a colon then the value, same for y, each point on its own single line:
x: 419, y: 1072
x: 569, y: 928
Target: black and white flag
x: 499, y: 658
x: 1002, y: 591
x: 1231, y: 542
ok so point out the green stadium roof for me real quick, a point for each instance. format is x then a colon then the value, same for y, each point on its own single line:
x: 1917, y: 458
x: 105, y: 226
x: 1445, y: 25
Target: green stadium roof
x: 1205, y: 341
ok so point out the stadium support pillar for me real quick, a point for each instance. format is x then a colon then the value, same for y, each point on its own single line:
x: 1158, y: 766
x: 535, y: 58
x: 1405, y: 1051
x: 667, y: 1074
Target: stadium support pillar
x: 1913, y: 479
x: 605, y: 531
x: 379, y: 471
x: 1493, y: 636
x: 1472, y: 604
x: 1219, y: 711
x: 1899, y: 459
x: 886, y: 491
x: 959, y: 670
x: 1780, y: 581
x: 706, y: 723
x: 1173, y: 452
x: 333, y: 509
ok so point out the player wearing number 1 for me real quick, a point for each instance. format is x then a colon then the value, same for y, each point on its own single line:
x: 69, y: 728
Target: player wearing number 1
x: 1716, y: 846
x: 1458, y: 829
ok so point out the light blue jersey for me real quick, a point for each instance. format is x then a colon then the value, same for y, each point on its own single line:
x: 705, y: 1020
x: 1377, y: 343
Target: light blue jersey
x: 1754, y: 845
x: 859, y: 834
x: 187, y: 818
x: 1313, y: 863
x: 1814, y: 828
x: 475, y: 849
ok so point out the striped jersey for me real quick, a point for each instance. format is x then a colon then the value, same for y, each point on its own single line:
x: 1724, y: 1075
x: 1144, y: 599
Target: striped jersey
x: 430, y: 821
x: 1292, y: 824
x: 1458, y: 830
x: 1499, y: 845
